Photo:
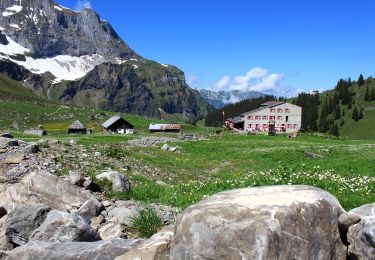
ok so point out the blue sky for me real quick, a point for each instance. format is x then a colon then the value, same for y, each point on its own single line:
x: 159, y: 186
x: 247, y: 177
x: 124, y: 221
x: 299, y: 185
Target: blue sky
x: 274, y: 46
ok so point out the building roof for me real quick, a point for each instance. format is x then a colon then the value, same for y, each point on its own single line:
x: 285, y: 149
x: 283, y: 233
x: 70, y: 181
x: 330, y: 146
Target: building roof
x: 235, y: 120
x: 35, y: 132
x: 113, y: 120
x: 163, y: 127
x: 268, y: 104
x: 77, y: 125
x: 272, y: 103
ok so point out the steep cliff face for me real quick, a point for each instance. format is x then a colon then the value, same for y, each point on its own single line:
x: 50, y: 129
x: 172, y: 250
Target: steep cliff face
x: 48, y: 29
x: 75, y: 57
x: 139, y: 87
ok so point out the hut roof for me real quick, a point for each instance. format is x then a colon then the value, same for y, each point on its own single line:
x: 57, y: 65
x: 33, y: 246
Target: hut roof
x: 77, y: 125
x: 113, y: 120
x: 35, y: 132
x: 164, y: 127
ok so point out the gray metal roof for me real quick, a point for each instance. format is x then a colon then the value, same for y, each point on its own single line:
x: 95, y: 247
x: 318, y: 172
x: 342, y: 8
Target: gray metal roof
x: 110, y: 121
x: 35, y: 132
x: 268, y: 104
x: 235, y: 120
x: 77, y: 125
x: 163, y: 127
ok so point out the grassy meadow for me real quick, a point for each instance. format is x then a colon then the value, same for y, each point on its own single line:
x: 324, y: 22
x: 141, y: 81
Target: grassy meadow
x: 346, y: 168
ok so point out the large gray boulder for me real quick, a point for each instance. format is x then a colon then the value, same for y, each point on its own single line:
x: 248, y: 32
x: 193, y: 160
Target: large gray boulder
x: 100, y: 250
x: 120, y: 183
x: 43, y: 187
x: 277, y: 222
x: 62, y: 226
x: 22, y: 221
x: 361, y: 235
x: 156, y: 247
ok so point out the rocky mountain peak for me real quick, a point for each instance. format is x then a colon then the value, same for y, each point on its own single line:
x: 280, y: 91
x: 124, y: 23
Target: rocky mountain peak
x: 68, y: 32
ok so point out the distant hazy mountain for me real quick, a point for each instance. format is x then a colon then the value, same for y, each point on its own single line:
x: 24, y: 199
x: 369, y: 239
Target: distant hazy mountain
x: 218, y: 99
x: 78, y: 58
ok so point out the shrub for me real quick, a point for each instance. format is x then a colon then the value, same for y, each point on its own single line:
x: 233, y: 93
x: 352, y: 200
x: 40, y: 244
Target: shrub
x: 146, y: 222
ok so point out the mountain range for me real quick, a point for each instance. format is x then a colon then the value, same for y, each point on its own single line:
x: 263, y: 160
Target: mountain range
x: 219, y: 99
x: 77, y: 58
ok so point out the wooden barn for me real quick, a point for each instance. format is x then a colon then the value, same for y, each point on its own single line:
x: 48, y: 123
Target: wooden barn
x: 164, y: 128
x: 78, y: 128
x: 117, y: 124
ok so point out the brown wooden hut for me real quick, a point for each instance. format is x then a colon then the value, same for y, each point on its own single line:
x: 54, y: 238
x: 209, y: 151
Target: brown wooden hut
x: 77, y: 128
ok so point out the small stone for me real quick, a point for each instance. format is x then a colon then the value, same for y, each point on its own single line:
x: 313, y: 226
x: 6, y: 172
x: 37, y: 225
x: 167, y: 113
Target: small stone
x: 73, y: 142
x: 161, y: 183
x: 32, y: 148
x: 7, y: 135
x: 165, y: 147
x: 173, y: 149
x: 98, y: 154
x: 95, y: 222
x: 110, y: 231
x: 106, y: 203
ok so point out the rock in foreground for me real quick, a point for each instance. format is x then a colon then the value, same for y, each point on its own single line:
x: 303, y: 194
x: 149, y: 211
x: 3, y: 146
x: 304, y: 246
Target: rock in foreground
x: 278, y: 222
x: 100, y: 250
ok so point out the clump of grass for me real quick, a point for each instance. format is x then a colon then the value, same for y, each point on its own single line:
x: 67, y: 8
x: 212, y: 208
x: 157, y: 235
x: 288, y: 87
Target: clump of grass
x: 146, y: 222
x: 115, y: 152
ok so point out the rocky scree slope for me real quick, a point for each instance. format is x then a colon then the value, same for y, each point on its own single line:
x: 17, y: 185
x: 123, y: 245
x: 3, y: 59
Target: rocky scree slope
x: 43, y: 43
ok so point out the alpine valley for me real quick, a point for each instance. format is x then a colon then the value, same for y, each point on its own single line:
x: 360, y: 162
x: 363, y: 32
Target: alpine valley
x: 77, y: 58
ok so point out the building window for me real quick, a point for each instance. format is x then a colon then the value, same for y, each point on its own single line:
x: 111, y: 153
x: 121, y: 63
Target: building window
x: 272, y: 117
x: 250, y: 117
x: 257, y: 117
x: 250, y: 126
x: 295, y: 126
x: 272, y: 110
x: 279, y: 110
x: 264, y: 117
x: 287, y: 110
x: 279, y: 118
x: 265, y: 126
x: 290, y: 126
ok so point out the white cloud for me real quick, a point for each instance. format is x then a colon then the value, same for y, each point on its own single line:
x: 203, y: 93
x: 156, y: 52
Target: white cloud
x: 82, y: 4
x: 257, y: 79
x: 222, y: 83
x: 192, y: 80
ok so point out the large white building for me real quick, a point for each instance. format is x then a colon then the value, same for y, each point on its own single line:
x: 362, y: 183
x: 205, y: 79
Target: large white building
x: 285, y: 116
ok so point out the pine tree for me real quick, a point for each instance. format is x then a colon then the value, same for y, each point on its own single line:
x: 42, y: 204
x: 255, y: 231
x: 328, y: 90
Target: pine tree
x: 367, y: 94
x: 335, y: 131
x: 360, y: 80
x: 355, y: 114
x: 372, y: 95
x: 343, y: 112
x: 337, y: 113
x: 360, y: 115
x: 350, y: 102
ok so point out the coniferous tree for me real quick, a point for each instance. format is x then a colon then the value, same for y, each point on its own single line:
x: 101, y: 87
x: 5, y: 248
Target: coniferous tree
x: 343, y: 112
x: 367, y: 94
x: 360, y: 80
x: 350, y: 103
x: 335, y: 131
x: 372, y: 94
x: 360, y: 115
x: 337, y: 113
x: 342, y: 122
x: 355, y: 115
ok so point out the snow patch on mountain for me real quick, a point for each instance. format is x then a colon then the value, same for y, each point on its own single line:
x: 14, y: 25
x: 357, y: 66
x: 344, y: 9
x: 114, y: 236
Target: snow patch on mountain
x: 63, y: 67
x: 12, y: 10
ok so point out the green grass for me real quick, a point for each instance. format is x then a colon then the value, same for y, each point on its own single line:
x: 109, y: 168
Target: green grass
x: 146, y: 222
x: 234, y: 161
